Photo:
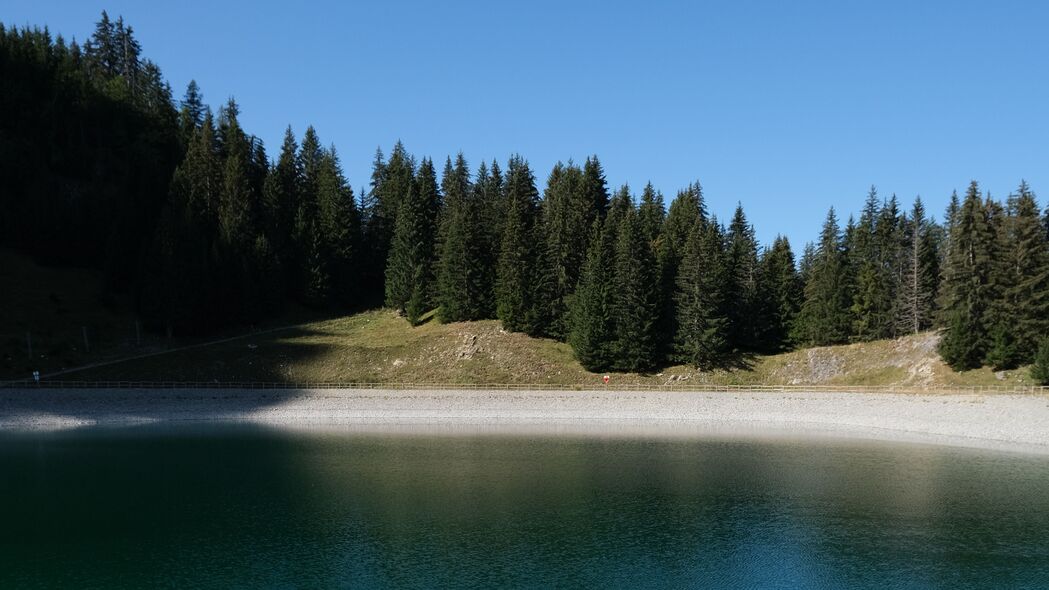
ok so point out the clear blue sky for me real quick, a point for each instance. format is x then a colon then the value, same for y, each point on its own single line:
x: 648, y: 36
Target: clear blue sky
x: 787, y: 107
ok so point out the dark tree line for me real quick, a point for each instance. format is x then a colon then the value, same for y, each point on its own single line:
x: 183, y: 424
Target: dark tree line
x: 184, y: 209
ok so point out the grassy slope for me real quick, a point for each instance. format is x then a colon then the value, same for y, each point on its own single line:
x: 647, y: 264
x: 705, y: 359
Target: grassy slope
x: 378, y: 346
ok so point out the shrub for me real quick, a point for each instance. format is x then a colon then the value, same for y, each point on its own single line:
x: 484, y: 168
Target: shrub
x: 1040, y: 370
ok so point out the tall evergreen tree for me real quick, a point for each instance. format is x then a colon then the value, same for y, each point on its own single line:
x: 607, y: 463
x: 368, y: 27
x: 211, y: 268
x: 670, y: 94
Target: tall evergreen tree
x: 339, y: 222
x: 594, y: 189
x: 968, y: 287
x: 780, y: 295
x: 871, y: 256
x: 593, y: 332
x: 636, y: 297
x: 686, y: 210
x: 701, y: 336
x: 280, y: 196
x: 191, y: 115
x: 741, y: 288
x: 391, y: 182
x: 461, y: 274
x: 314, y: 284
x: 566, y: 215
x: 410, y: 270
x: 824, y: 317
x: 1025, y: 289
x: 490, y: 201
x: 652, y: 214
x: 517, y: 255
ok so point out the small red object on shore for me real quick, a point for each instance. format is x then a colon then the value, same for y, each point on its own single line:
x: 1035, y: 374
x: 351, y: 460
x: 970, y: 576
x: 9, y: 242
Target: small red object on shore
x: 605, y: 379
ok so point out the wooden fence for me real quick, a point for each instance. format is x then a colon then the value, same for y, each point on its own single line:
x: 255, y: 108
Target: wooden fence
x: 977, y: 389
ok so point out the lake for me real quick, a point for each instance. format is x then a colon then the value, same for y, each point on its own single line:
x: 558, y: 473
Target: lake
x: 250, y: 507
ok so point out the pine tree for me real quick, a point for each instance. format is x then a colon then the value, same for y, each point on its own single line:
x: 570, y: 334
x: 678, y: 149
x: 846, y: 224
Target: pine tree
x: 391, y: 183
x: 314, y: 284
x: 461, y: 277
x: 280, y: 196
x: 566, y: 217
x: 191, y: 115
x: 549, y: 308
x: 489, y: 199
x: 824, y: 317
x: 517, y: 254
x: 968, y: 287
x: 701, y: 336
x: 592, y: 319
x: 101, y: 49
x: 594, y: 190
x: 339, y: 223
x: 636, y: 297
x: 1025, y: 286
x: 1003, y: 351
x: 652, y: 214
x: 236, y: 200
x: 780, y: 297
x: 410, y: 271
x: 741, y: 283
x: 686, y: 210
x: 871, y: 255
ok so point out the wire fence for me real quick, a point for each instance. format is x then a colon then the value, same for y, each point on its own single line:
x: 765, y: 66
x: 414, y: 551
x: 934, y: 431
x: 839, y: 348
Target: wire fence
x: 682, y: 387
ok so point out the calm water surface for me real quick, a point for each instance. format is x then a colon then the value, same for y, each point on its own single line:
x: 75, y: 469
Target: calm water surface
x: 243, y: 507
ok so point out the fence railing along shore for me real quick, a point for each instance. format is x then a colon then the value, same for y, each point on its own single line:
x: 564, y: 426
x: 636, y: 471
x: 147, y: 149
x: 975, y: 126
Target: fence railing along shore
x: 683, y: 387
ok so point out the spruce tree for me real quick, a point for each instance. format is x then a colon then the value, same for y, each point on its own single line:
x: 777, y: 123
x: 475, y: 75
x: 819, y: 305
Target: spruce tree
x: 594, y: 190
x: 824, y: 318
x: 314, y: 284
x: 280, y: 198
x: 1026, y: 286
x: 461, y: 288
x: 780, y: 295
x: 489, y: 199
x: 968, y: 287
x: 565, y: 223
x: 872, y: 252
x: 592, y: 333
x: 517, y: 254
x: 191, y: 115
x: 741, y: 283
x: 236, y: 200
x: 339, y: 223
x: 652, y: 213
x: 636, y: 297
x: 701, y: 326
x: 686, y: 210
x: 392, y: 182
x: 410, y: 271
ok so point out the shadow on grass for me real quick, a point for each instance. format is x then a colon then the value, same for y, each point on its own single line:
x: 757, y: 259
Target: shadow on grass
x: 197, y: 383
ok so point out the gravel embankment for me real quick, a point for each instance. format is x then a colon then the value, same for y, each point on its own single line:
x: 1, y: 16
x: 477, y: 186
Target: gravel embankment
x: 1017, y: 422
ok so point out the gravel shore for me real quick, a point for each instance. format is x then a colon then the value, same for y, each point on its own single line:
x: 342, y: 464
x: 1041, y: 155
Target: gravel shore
x: 1013, y: 422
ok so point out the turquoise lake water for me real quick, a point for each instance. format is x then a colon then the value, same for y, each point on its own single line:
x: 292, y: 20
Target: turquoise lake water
x: 247, y: 507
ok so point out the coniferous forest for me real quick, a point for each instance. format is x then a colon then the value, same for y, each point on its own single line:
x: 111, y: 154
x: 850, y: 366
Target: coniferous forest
x: 186, y: 211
